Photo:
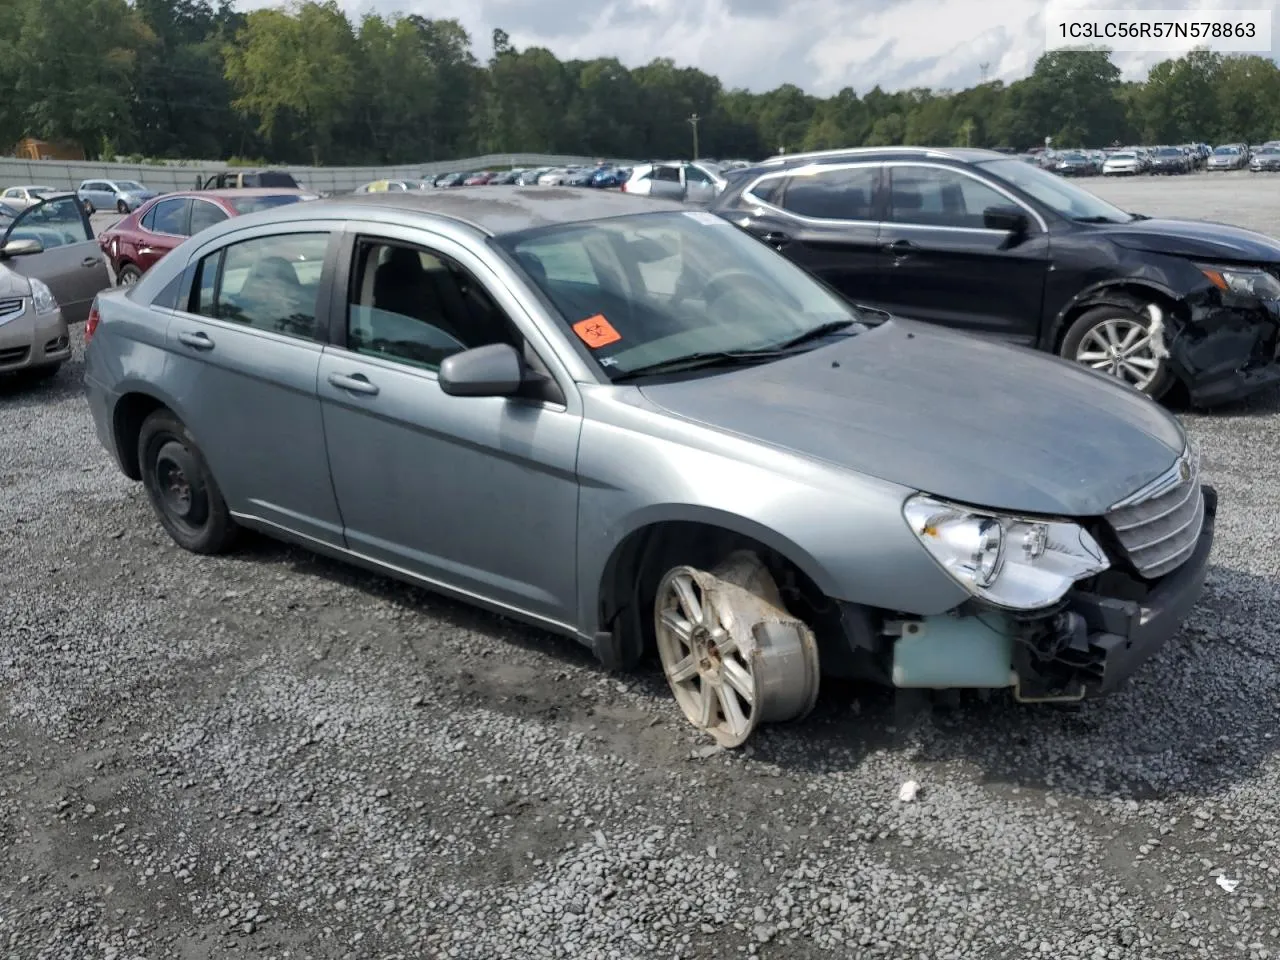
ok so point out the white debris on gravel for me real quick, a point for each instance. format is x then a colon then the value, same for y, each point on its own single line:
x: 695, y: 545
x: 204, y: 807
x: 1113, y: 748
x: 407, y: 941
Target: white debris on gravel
x: 271, y: 755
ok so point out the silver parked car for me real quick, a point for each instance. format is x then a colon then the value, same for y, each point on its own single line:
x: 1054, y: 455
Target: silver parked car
x: 122, y: 196
x: 33, y: 334
x: 696, y: 182
x: 19, y: 198
x: 633, y: 424
x: 53, y: 242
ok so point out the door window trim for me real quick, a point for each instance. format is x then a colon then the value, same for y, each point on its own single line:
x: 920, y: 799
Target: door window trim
x: 989, y: 184
x: 191, y: 209
x: 787, y: 175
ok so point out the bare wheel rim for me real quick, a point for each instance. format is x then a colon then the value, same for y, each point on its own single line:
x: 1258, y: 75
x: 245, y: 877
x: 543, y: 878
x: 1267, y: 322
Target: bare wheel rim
x: 1121, y: 347
x: 712, y: 681
x: 128, y: 278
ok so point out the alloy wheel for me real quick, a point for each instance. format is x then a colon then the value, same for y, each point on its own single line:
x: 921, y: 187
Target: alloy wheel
x: 1121, y: 347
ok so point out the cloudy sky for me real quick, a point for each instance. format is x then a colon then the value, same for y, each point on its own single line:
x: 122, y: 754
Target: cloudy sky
x: 819, y: 45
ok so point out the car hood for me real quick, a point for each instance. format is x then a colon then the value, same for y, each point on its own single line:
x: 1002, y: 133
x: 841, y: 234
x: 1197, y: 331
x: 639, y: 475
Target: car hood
x: 1195, y: 238
x: 962, y: 418
x: 13, y: 284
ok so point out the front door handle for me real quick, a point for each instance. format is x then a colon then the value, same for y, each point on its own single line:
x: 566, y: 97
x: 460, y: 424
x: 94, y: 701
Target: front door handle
x: 356, y: 383
x: 90, y: 261
x: 899, y: 248
x: 776, y: 238
x: 197, y: 341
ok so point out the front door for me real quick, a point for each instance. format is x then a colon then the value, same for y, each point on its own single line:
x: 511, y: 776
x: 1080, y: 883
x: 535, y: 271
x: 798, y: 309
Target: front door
x: 666, y: 182
x: 940, y: 264
x: 476, y: 494
x: 698, y: 185
x: 71, y: 264
x: 247, y: 347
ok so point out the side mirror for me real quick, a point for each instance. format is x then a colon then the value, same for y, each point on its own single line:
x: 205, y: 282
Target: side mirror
x: 494, y: 370
x: 1010, y: 219
x: 22, y: 248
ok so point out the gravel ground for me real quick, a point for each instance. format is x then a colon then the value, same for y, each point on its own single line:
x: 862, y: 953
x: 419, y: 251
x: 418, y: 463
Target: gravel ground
x: 270, y: 754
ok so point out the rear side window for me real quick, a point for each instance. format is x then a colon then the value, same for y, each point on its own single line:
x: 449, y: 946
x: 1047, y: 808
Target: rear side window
x: 268, y: 283
x: 847, y: 193
x: 169, y: 216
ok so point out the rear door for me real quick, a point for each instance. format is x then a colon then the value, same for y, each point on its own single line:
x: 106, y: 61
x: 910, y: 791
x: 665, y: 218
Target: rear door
x: 942, y: 265
x: 72, y: 264
x: 826, y: 219
x: 244, y: 355
x: 163, y: 228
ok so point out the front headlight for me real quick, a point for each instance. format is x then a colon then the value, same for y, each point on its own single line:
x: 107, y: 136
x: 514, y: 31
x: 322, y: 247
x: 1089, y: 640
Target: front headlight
x: 41, y: 296
x: 1250, y: 281
x: 1013, y: 562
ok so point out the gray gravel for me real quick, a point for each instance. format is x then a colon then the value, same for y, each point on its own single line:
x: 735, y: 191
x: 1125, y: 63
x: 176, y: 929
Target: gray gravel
x: 273, y: 754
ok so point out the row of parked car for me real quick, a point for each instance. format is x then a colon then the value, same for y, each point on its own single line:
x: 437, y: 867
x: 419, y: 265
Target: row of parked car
x: 1186, y: 158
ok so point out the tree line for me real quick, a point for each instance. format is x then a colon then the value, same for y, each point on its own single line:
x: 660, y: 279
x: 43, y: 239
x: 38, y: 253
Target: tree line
x: 195, y: 79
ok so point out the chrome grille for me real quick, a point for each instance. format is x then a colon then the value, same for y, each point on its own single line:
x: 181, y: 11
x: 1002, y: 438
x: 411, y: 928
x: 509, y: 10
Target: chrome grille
x: 1158, y: 526
x: 10, y: 309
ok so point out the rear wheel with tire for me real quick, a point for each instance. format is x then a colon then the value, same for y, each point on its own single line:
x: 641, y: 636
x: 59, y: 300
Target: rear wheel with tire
x: 128, y: 275
x: 1123, y: 343
x: 181, y: 488
x: 89, y: 208
x: 122, y: 207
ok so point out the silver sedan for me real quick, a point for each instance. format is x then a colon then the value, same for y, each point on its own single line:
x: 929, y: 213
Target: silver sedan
x: 634, y: 424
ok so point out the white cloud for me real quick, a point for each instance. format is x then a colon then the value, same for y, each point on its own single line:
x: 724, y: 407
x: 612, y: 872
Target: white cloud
x: 819, y: 45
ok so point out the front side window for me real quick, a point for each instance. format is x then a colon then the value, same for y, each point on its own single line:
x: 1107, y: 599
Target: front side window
x: 268, y: 283
x: 650, y: 288
x: 767, y: 190
x: 169, y: 216
x: 417, y: 307
x: 55, y: 223
x: 130, y: 186
x: 846, y: 193
x: 668, y: 174
x: 1058, y: 194
x: 693, y: 175
x: 937, y: 197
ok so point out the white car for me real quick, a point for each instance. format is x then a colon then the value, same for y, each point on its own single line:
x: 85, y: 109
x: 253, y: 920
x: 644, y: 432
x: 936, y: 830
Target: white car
x: 22, y: 197
x: 1227, y: 158
x: 556, y: 177
x: 1123, y: 163
x: 693, y: 182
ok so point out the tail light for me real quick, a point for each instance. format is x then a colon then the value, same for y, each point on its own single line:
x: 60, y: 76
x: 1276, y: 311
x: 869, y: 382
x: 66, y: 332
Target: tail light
x: 91, y: 322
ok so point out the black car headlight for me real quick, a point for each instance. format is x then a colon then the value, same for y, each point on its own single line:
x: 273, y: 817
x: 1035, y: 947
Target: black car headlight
x: 1248, y: 281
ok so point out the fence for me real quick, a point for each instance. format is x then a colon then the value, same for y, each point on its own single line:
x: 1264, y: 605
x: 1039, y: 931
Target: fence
x: 182, y: 176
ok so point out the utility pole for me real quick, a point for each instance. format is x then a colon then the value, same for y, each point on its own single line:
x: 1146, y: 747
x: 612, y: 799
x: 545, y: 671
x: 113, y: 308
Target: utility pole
x: 983, y: 67
x: 693, y: 121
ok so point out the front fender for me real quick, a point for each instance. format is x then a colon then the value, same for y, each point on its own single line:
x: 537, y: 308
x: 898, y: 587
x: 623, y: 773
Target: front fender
x: 638, y: 467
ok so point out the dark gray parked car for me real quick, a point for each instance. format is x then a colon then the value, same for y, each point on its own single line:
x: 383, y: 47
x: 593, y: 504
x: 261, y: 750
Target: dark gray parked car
x: 634, y: 424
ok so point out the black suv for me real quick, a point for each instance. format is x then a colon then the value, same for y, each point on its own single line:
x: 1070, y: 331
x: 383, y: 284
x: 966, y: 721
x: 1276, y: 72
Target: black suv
x: 979, y: 241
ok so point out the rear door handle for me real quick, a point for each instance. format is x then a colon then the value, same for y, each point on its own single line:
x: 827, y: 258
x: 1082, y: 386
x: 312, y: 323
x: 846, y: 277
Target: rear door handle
x: 899, y: 247
x: 776, y: 238
x: 197, y: 341
x: 356, y: 383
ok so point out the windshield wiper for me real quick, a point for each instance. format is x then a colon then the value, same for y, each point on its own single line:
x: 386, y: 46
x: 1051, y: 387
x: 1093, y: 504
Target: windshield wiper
x: 1098, y: 219
x: 702, y: 361
x: 817, y: 333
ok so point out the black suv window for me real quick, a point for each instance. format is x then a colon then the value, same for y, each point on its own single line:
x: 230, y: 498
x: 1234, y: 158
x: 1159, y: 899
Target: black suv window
x: 843, y: 193
x: 938, y: 197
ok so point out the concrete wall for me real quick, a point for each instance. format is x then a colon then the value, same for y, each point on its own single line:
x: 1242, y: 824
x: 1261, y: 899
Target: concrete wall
x: 68, y: 174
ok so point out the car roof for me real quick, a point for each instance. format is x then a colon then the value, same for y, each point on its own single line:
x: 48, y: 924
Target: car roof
x: 501, y: 210
x: 959, y: 154
x: 229, y: 192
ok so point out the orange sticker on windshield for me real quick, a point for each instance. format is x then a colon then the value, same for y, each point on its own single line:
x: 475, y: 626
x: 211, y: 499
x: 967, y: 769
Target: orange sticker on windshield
x: 596, y: 332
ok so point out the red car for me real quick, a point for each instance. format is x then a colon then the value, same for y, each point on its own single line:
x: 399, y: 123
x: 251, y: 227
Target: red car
x: 479, y: 179
x: 135, y: 243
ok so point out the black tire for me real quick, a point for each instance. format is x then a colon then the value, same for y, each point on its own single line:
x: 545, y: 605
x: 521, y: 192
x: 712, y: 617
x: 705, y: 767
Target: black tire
x: 181, y: 488
x: 128, y: 275
x: 122, y: 207
x: 89, y: 209
x: 1098, y: 318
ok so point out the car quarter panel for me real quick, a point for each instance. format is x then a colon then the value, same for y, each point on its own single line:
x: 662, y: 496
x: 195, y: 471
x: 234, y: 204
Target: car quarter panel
x: 639, y: 466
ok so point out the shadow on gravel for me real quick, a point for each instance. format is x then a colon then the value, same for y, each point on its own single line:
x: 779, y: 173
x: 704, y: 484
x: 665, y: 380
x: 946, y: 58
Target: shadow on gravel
x: 20, y: 390
x: 1263, y: 404
x: 1196, y: 719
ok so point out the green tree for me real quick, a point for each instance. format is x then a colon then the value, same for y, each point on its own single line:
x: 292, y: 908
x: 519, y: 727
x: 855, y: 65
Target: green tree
x: 295, y: 70
x: 1179, y: 104
x: 1071, y: 95
x: 1247, y: 99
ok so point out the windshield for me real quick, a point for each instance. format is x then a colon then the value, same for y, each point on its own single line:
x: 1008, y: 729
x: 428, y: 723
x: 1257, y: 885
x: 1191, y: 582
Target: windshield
x: 1270, y: 150
x: 1167, y: 152
x: 1073, y: 156
x: 1123, y: 156
x: 245, y: 205
x: 650, y: 288
x: 1057, y: 193
x: 130, y: 186
x: 1222, y: 151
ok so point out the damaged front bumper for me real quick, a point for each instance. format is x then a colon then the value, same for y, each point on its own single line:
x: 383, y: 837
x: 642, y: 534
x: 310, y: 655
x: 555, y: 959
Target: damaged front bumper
x: 1229, y: 349
x: 1086, y: 646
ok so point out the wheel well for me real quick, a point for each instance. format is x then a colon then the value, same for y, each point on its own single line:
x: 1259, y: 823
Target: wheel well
x: 1135, y: 296
x: 131, y: 410
x: 631, y: 577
